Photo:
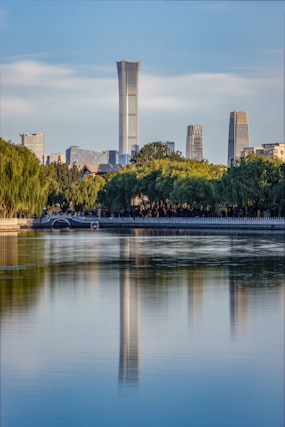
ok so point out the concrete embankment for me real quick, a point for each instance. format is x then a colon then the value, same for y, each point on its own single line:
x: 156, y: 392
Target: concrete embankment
x: 196, y: 223
x: 9, y: 224
x: 269, y: 224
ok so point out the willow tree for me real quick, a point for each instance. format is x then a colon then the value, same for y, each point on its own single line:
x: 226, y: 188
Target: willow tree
x: 119, y: 190
x: 83, y: 195
x: 61, y: 178
x: 252, y: 185
x: 23, y: 189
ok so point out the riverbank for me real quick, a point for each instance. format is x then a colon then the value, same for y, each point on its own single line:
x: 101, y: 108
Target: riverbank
x: 197, y: 223
x: 9, y: 224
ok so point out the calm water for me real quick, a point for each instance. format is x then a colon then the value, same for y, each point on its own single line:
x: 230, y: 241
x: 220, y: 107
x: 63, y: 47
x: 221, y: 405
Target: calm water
x: 142, y: 328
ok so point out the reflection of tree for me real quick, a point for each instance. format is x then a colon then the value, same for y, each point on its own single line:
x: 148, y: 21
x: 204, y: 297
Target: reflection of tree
x: 20, y: 291
x: 20, y: 279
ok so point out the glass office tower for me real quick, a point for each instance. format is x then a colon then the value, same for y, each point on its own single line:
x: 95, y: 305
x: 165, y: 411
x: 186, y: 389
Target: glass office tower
x: 128, y: 77
x: 238, y: 135
x: 194, y: 143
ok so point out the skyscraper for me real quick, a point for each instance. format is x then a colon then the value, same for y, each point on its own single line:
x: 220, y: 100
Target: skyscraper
x: 128, y: 77
x: 238, y: 135
x: 35, y: 143
x: 194, y: 143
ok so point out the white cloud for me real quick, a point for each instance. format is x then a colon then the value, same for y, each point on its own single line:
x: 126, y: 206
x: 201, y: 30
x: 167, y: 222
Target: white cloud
x: 72, y: 108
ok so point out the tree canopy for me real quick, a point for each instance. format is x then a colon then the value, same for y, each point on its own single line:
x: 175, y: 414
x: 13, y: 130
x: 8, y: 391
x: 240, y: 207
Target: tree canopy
x: 156, y: 183
x: 155, y: 151
x: 23, y: 189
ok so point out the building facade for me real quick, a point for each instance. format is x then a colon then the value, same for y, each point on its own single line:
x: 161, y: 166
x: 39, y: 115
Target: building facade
x: 34, y: 142
x: 128, y: 79
x: 79, y: 157
x: 275, y: 150
x: 194, y: 143
x: 170, y: 145
x: 55, y: 158
x: 238, y: 135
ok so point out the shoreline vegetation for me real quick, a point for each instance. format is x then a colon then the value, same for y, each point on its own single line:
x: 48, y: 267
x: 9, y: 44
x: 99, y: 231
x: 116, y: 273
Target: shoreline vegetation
x: 158, y: 188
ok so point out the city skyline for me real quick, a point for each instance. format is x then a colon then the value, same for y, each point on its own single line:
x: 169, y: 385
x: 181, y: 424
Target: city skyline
x: 63, y: 82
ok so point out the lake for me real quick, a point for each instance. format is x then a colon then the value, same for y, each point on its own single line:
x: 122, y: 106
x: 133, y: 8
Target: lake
x: 142, y: 328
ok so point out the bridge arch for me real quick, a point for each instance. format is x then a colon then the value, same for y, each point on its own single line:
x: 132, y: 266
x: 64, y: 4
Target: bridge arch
x: 61, y: 220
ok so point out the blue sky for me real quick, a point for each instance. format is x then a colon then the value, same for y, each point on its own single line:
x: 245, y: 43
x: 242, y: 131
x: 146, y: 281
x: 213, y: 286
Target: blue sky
x: 199, y: 61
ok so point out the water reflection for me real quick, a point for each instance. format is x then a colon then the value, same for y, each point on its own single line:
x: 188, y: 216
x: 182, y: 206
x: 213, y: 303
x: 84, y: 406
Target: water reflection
x: 129, y: 321
x: 239, y: 308
x: 195, y: 295
x: 166, y: 312
x: 21, y: 273
x: 129, y: 364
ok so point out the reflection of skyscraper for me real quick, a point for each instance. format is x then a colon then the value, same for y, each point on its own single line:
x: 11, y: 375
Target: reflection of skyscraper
x: 194, y: 143
x: 238, y: 308
x: 238, y: 135
x: 129, y: 330
x: 128, y: 77
x: 129, y: 323
x: 195, y: 295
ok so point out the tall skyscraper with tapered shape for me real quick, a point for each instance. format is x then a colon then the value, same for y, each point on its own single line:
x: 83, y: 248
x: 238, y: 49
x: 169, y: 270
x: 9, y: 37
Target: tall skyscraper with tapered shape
x: 238, y: 135
x: 128, y: 77
x: 194, y: 143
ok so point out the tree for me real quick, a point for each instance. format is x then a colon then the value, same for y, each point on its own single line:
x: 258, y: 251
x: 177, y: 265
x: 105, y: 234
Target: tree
x: 155, y: 151
x: 83, y: 195
x: 249, y: 185
x: 23, y: 189
x: 60, y: 178
x: 119, y: 190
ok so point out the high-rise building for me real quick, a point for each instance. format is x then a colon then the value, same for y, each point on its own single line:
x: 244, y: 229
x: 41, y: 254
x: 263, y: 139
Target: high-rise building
x: 34, y: 142
x: 170, y: 145
x: 238, y: 135
x: 194, y: 143
x: 128, y: 78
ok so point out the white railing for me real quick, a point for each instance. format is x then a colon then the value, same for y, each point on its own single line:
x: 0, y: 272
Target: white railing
x: 241, y: 220
x: 197, y: 221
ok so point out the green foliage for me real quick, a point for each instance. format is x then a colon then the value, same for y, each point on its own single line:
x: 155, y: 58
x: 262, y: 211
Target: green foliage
x: 82, y: 195
x: 119, y: 190
x: 253, y: 185
x: 155, y: 151
x: 23, y: 188
x: 60, y: 180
